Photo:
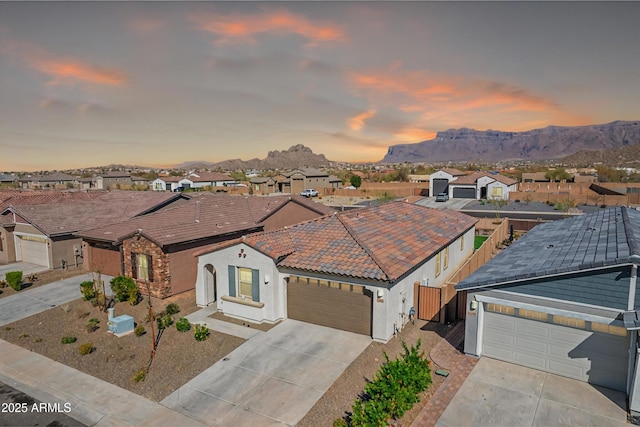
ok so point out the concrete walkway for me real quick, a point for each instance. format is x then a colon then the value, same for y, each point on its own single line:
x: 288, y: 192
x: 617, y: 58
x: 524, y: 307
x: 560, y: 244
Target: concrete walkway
x: 446, y: 356
x: 32, y: 301
x: 93, y: 402
x: 202, y: 317
x: 272, y: 379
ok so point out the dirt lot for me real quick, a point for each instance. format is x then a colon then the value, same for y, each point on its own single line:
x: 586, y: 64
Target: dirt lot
x: 338, y: 400
x: 178, y: 359
x: 42, y: 279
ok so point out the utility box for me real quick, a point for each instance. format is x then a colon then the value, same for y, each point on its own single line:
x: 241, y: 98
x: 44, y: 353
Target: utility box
x: 120, y: 325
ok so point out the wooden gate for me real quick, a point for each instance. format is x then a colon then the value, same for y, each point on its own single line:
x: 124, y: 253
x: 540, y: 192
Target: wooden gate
x: 462, y: 305
x: 428, y: 302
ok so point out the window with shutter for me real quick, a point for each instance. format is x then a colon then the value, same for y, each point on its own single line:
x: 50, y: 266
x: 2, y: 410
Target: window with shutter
x: 134, y: 266
x: 255, y: 285
x: 232, y: 280
x: 245, y: 282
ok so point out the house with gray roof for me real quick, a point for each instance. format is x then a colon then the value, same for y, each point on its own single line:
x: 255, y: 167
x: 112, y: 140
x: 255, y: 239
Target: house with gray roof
x: 563, y: 299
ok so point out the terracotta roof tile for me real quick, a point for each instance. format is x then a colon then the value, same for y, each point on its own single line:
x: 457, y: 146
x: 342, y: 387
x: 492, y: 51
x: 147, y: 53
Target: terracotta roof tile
x: 380, y: 243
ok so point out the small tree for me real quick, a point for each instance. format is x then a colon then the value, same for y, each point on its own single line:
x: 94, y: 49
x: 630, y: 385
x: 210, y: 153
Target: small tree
x: 498, y: 204
x: 356, y: 181
x: 14, y: 279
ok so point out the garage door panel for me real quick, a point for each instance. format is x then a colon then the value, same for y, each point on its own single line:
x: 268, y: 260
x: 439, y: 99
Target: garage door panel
x: 595, y: 357
x: 498, y: 338
x: 531, y: 360
x: 533, y: 329
x: 537, y: 345
x: 335, y: 308
x: 34, y: 251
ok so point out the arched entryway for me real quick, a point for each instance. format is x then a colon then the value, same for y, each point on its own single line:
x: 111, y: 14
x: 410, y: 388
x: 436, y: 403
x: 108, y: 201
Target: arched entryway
x: 210, y: 287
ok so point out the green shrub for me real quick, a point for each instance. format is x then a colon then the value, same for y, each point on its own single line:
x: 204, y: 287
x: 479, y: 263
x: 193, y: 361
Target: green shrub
x: 86, y: 348
x: 200, y: 332
x: 87, y: 289
x: 141, y: 375
x: 92, y: 325
x: 340, y: 422
x: 68, y: 340
x: 173, y: 308
x: 164, y: 321
x: 14, y: 279
x: 183, y: 325
x: 139, y: 331
x: 125, y: 289
x: 395, y: 389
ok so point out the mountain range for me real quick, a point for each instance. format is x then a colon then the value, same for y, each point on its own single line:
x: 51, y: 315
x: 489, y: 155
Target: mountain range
x: 295, y: 157
x: 552, y: 142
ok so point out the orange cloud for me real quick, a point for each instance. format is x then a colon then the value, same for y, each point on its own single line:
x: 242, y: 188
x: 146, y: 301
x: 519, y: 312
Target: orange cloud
x: 357, y: 122
x: 61, y: 70
x: 431, y: 101
x: 242, y: 28
x: 69, y: 71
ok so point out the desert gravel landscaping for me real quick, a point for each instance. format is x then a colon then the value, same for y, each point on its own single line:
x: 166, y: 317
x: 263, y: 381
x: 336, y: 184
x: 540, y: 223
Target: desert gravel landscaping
x: 178, y: 359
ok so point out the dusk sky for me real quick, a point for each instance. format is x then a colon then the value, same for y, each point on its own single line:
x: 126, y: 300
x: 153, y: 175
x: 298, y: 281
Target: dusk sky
x: 89, y: 84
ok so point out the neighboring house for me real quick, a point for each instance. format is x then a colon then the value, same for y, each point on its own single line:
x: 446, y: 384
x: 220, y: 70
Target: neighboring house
x: 304, y: 178
x: 139, y: 181
x: 85, y: 183
x: 168, y: 183
x: 354, y: 270
x: 113, y: 181
x: 159, y: 247
x: 334, y: 182
x: 419, y: 178
x: 482, y: 185
x: 56, y: 180
x: 563, y: 299
x: 6, y: 179
x: 263, y: 185
x: 439, y: 181
x: 206, y: 179
x: 534, y: 177
x: 44, y: 234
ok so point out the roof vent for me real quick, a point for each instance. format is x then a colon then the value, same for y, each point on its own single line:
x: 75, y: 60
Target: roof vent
x: 549, y: 247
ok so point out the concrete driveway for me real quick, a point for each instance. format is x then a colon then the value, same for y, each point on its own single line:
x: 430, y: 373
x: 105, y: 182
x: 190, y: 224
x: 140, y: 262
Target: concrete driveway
x: 272, y: 379
x: 32, y: 301
x: 26, y: 268
x: 502, y: 394
x: 456, y: 204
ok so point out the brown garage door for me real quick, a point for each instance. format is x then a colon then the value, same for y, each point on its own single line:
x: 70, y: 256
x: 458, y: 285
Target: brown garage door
x: 336, y: 305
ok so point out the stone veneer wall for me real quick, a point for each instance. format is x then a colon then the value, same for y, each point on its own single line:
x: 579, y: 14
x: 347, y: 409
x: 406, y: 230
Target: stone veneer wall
x: 161, y: 285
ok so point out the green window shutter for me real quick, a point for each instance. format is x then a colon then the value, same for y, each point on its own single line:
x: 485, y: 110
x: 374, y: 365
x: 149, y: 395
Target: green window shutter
x: 150, y: 267
x: 232, y: 281
x: 255, y: 285
x: 134, y: 266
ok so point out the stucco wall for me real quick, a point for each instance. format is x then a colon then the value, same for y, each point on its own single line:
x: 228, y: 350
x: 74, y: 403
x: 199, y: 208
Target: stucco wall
x: 8, y: 251
x: 183, y: 266
x: 271, y: 294
x: 62, y: 248
x: 107, y: 261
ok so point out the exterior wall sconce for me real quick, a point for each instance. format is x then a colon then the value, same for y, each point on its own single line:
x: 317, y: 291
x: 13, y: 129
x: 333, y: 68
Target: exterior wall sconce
x: 267, y: 279
x: 473, y: 306
x: 380, y: 295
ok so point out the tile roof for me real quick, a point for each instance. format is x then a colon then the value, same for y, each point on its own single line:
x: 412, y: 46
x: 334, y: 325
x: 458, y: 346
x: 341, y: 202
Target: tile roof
x: 59, y: 218
x: 469, y: 179
x: 307, y: 172
x: 204, y: 215
x: 604, y: 238
x: 208, y: 177
x: 504, y: 179
x: 453, y: 172
x: 54, y: 177
x: 379, y: 243
x: 21, y: 198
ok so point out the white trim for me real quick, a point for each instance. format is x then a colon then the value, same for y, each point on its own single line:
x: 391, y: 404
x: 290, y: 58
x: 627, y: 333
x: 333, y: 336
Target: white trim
x: 631, y: 304
x: 614, y: 311
x: 550, y: 310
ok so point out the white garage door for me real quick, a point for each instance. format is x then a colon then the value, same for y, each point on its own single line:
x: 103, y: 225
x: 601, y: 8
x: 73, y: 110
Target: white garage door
x: 34, y: 250
x: 581, y: 353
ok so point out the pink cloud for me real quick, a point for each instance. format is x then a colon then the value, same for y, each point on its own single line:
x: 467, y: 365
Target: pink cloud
x: 357, y: 122
x: 242, y: 28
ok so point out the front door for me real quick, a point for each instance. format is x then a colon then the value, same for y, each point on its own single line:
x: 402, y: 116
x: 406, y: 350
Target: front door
x: 211, y: 291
